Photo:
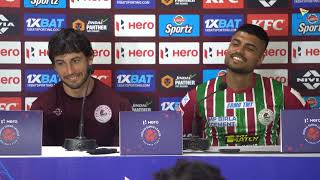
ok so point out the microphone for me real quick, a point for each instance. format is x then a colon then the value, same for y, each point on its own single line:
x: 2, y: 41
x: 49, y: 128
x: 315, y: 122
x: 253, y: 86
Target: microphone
x: 195, y: 142
x: 81, y: 143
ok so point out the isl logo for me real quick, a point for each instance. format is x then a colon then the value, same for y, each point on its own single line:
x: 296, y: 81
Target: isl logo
x: 150, y: 135
x: 9, y: 135
x: 312, y: 133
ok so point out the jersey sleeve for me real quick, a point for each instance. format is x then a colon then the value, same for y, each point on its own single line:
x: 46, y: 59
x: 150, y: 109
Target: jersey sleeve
x: 187, y: 110
x: 293, y: 99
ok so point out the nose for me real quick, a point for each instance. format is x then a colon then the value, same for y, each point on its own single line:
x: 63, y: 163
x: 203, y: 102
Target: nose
x: 70, y: 69
x: 240, y: 49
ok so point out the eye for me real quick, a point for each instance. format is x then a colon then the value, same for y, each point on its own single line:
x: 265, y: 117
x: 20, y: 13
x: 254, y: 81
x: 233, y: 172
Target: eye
x: 75, y: 61
x: 59, y: 63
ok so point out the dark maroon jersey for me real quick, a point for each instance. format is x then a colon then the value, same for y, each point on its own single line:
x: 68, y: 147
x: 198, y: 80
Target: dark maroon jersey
x: 62, y: 115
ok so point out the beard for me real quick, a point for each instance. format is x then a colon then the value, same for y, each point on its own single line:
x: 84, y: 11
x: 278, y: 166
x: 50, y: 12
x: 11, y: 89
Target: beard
x: 238, y: 70
x: 75, y: 85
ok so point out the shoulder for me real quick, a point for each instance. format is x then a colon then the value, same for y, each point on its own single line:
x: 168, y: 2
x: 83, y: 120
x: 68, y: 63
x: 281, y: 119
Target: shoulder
x: 47, y: 97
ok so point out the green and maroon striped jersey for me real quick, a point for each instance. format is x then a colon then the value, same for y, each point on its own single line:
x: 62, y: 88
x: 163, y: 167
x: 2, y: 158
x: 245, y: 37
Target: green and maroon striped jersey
x: 249, y: 117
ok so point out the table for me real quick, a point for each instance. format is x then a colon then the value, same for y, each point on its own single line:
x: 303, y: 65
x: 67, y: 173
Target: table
x: 55, y: 163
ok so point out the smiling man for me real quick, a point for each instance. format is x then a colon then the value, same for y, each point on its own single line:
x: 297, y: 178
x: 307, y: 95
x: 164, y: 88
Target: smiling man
x: 71, y: 55
x: 245, y: 110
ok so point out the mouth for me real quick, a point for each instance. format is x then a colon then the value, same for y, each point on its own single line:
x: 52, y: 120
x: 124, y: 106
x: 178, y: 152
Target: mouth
x: 238, y: 58
x: 73, y: 77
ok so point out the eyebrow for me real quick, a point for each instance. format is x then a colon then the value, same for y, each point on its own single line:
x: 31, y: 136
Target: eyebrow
x: 246, y: 44
x: 57, y: 60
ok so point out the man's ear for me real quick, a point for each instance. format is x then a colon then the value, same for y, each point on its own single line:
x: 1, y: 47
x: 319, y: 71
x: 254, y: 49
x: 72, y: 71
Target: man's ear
x: 90, y: 60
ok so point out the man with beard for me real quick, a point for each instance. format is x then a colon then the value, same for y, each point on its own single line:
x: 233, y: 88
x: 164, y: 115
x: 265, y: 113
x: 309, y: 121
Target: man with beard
x: 71, y: 54
x: 245, y: 110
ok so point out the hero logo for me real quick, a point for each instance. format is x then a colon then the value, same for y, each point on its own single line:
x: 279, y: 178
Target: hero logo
x: 135, y: 53
x: 179, y: 53
x: 214, y: 52
x: 135, y: 25
x: 10, y: 104
x: 222, y: 23
x: 34, y: 52
x: 267, y: 4
x: 277, y: 53
x: 10, y: 80
x: 5, y: 24
x: 10, y: 52
x: 311, y: 80
x: 221, y: 1
x: 44, y: 2
x: 101, y: 52
x: 44, y: 23
x: 169, y: 106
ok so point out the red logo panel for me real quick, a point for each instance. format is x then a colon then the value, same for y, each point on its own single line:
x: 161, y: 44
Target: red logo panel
x: 10, y: 103
x: 274, y: 24
x: 223, y: 4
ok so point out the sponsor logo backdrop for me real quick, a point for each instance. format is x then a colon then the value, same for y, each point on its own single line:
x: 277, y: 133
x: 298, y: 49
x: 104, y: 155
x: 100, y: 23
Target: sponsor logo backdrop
x: 154, y: 51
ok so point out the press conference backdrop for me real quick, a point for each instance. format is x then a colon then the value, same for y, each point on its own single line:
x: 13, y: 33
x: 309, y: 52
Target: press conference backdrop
x: 152, y: 51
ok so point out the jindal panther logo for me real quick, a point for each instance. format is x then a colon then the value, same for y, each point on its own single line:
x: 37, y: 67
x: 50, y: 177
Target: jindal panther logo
x: 150, y: 135
x: 9, y: 135
x: 312, y: 133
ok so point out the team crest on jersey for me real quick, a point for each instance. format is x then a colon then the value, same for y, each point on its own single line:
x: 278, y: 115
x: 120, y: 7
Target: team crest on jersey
x: 185, y: 100
x: 266, y: 116
x: 103, y: 113
x: 57, y: 112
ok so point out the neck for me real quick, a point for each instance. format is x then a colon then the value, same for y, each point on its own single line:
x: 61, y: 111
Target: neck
x: 238, y: 81
x: 80, y: 92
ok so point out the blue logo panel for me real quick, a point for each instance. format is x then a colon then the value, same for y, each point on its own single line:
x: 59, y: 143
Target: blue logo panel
x: 43, y: 24
x: 221, y: 24
x: 185, y: 25
x: 169, y: 103
x: 135, y: 80
x: 305, y: 3
x: 37, y: 80
x: 135, y: 4
x: 45, y: 3
x: 306, y: 25
x: 211, y: 73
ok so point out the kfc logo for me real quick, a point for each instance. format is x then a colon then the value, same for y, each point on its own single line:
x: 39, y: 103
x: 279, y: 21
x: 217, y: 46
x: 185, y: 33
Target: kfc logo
x: 179, y: 53
x: 135, y: 53
x: 101, y: 52
x: 10, y: 103
x: 28, y: 103
x: 223, y: 4
x: 105, y: 76
x: 10, y: 52
x: 10, y: 80
x: 135, y: 25
x: 10, y: 3
x: 274, y: 24
x: 36, y: 53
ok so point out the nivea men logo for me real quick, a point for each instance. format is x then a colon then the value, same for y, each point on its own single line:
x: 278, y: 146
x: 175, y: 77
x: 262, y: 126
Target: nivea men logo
x: 135, y: 80
x: 44, y: 3
x: 307, y: 25
x: 311, y: 79
x: 40, y: 80
x: 8, y: 24
x: 169, y: 103
x: 179, y: 25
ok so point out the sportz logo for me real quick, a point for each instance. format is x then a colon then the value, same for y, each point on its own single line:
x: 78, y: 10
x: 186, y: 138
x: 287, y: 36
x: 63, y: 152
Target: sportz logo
x: 311, y: 80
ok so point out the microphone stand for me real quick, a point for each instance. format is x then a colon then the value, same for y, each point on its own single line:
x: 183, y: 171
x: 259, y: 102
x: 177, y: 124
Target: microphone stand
x: 195, y: 142
x: 81, y: 143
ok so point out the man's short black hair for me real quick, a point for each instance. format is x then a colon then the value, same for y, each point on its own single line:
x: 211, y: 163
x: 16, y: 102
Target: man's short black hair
x: 255, y: 30
x: 69, y: 41
x: 189, y: 170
